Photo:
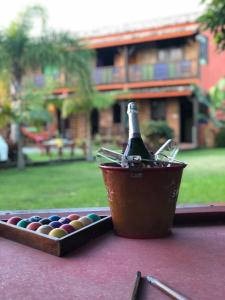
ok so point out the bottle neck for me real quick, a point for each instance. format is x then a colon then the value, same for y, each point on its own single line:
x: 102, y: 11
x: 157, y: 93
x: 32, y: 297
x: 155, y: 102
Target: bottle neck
x: 134, y: 130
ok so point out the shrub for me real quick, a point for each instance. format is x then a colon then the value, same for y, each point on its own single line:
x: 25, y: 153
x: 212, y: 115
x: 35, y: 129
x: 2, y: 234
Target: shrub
x: 220, y: 138
x: 156, y: 133
x: 97, y: 140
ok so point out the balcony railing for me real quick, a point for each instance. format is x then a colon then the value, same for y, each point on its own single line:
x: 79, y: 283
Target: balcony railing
x: 111, y: 74
x: 146, y: 72
x: 134, y: 73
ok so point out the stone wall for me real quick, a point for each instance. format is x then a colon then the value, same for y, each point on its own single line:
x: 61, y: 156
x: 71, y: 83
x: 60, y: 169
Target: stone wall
x: 173, y: 116
x: 110, y: 130
x: 78, y: 125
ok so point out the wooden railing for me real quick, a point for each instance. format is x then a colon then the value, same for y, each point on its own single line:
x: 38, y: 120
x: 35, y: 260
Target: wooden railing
x: 109, y: 74
x: 134, y: 73
x: 146, y: 72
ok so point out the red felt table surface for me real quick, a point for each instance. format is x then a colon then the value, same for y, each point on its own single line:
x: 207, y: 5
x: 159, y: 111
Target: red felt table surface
x: 191, y: 260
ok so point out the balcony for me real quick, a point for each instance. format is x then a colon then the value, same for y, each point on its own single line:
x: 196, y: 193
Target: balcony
x: 146, y: 72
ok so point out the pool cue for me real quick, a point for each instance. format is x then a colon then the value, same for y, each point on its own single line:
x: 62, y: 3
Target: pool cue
x: 136, y: 286
x: 164, y: 288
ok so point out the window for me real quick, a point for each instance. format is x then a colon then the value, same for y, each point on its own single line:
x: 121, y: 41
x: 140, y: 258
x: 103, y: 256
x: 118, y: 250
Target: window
x: 170, y: 54
x: 163, y: 55
x: 203, y: 49
x: 176, y: 54
x: 158, y: 110
x: 116, y: 113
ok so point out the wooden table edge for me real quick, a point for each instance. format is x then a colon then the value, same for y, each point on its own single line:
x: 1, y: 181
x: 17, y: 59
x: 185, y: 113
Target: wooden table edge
x: 180, y: 210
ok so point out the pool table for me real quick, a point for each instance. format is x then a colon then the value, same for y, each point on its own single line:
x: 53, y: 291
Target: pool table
x: 191, y: 261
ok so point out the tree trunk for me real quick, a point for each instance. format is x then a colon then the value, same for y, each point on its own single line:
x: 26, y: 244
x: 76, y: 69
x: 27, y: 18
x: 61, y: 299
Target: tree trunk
x: 20, y: 155
x: 89, y: 155
x: 15, y: 93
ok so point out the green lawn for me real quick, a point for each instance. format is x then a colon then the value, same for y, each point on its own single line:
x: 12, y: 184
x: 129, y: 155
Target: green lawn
x: 204, y: 177
x: 78, y: 153
x: 80, y: 184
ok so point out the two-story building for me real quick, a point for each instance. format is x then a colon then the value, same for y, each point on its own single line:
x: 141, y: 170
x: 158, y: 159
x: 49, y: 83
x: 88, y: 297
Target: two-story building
x: 157, y: 65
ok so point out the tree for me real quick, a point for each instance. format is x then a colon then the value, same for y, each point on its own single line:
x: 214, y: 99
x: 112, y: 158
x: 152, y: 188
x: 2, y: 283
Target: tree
x: 217, y: 94
x: 81, y: 103
x: 20, y: 53
x: 212, y: 101
x: 213, y: 19
x: 6, y: 114
x: 30, y: 109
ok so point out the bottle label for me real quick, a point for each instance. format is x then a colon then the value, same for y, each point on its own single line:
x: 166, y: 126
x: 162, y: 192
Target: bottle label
x: 134, y: 130
x: 135, y: 135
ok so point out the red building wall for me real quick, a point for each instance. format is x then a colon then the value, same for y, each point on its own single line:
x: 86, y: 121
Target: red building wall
x: 215, y: 68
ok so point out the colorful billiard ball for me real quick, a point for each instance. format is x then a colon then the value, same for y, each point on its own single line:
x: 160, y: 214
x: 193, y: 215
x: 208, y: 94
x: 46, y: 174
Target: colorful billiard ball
x: 85, y: 220
x: 34, y: 219
x: 94, y: 217
x: 23, y: 223
x: 76, y: 224
x: 73, y: 217
x: 68, y: 228
x: 44, y: 221
x: 57, y: 232
x: 54, y: 218
x: 64, y: 220
x: 14, y: 220
x: 45, y: 229
x: 55, y: 224
x: 33, y: 226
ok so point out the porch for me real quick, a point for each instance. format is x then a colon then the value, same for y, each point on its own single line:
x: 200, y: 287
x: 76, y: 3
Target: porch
x: 179, y: 112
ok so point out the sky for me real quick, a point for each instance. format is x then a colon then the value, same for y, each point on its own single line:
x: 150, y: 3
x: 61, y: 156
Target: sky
x: 84, y: 16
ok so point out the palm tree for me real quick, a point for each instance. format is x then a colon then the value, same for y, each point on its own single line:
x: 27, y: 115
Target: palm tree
x: 6, y: 114
x: 20, y: 53
x: 81, y: 102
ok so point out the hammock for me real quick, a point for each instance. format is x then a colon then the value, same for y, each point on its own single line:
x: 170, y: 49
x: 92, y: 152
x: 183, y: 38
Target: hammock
x: 37, y: 137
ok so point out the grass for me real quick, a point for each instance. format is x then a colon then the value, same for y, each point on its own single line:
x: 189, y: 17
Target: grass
x: 204, y: 177
x: 69, y: 185
x: 78, y: 153
x: 80, y: 184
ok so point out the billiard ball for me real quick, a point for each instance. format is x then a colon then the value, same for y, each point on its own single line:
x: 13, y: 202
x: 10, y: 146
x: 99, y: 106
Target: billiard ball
x: 73, y: 217
x: 64, y: 220
x: 45, y: 229
x: 68, y: 228
x: 57, y: 232
x: 85, y: 220
x: 55, y: 224
x: 34, y: 219
x: 13, y: 220
x: 54, y: 218
x: 33, y: 226
x: 23, y: 223
x: 44, y: 221
x: 94, y: 217
x: 76, y: 224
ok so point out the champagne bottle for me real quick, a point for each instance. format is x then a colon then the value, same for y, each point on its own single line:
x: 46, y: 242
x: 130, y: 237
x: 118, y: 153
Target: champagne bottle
x: 135, y: 148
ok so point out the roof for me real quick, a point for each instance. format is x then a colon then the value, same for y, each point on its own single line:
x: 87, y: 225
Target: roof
x: 157, y: 92
x: 135, y: 26
x: 64, y: 91
x: 147, y: 84
x: 172, y: 27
